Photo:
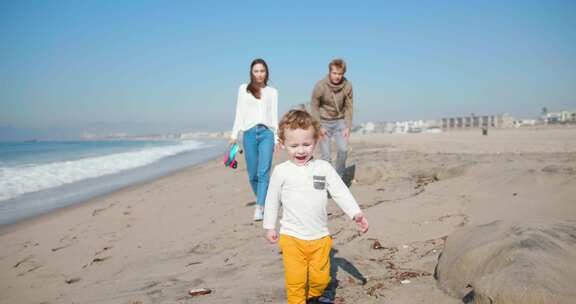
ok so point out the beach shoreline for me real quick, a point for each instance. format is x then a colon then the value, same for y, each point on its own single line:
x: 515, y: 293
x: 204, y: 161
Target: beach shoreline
x: 152, y: 242
x: 7, y: 228
x: 86, y: 178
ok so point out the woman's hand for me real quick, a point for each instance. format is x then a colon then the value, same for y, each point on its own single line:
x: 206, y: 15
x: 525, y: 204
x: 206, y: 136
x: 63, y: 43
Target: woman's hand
x: 272, y: 236
x: 232, y: 142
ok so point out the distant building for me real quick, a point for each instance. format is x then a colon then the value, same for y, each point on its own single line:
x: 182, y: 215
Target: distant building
x: 560, y: 117
x: 474, y: 121
x: 408, y: 126
x: 525, y: 122
x: 369, y: 127
x: 211, y: 135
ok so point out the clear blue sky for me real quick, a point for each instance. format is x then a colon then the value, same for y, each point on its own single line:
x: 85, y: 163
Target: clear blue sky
x: 155, y: 66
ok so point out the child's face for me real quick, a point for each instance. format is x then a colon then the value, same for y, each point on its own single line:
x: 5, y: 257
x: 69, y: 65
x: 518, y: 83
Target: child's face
x: 299, y: 144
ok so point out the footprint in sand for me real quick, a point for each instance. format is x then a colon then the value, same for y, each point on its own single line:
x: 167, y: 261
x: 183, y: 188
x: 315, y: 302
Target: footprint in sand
x: 458, y: 219
x: 155, y: 294
x: 149, y: 285
x: 28, y: 264
x: 160, y: 291
x: 203, y: 248
x: 65, y: 241
x: 22, y: 247
x: 103, y: 250
x: 110, y: 236
x: 99, y: 259
x: 99, y: 210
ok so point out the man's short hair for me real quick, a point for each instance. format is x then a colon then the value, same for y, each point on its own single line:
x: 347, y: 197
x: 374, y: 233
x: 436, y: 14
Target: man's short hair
x: 298, y: 119
x: 338, y: 63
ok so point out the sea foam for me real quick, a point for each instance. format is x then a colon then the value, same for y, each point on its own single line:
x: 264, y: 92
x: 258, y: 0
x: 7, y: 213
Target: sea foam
x: 18, y: 180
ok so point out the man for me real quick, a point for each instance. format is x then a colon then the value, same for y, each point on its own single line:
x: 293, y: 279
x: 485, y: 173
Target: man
x: 332, y: 105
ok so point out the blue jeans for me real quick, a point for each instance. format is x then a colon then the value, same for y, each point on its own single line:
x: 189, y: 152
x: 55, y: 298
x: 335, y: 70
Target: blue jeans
x: 334, y: 130
x: 258, y: 144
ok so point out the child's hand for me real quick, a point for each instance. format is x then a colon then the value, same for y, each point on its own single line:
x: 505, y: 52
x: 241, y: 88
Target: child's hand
x: 272, y: 236
x: 362, y: 222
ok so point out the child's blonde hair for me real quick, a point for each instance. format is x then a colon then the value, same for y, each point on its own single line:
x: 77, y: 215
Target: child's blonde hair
x: 298, y: 119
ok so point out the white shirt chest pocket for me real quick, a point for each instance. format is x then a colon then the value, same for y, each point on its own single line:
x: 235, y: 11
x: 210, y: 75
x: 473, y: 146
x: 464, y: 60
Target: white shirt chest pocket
x: 319, y: 182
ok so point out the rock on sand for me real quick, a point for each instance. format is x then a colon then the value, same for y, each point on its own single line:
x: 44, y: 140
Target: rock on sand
x: 504, y: 262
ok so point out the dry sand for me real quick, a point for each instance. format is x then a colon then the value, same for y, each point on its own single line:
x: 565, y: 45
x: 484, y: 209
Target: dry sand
x: 153, y: 242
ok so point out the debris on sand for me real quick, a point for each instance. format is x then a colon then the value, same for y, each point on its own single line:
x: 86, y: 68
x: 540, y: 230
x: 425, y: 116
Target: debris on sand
x: 199, y: 291
x: 72, y: 280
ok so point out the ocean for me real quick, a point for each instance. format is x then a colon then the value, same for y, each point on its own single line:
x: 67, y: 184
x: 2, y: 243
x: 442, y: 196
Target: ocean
x: 38, y: 177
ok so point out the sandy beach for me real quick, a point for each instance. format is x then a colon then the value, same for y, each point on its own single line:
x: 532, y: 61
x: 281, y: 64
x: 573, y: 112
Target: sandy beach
x: 153, y: 242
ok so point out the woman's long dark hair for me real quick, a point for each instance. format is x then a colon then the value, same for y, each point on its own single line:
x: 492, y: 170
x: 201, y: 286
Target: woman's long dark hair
x: 254, y: 88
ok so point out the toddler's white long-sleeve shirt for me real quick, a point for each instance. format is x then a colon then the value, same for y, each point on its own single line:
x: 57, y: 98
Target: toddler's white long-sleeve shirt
x: 251, y: 111
x: 302, y: 192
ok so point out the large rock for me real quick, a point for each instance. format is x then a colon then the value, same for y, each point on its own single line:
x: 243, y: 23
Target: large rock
x: 505, y: 262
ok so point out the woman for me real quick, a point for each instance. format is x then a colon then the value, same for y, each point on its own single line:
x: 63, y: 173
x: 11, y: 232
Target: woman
x: 257, y: 117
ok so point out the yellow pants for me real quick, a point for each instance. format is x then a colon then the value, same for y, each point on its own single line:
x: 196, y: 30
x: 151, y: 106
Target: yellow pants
x: 307, y: 267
